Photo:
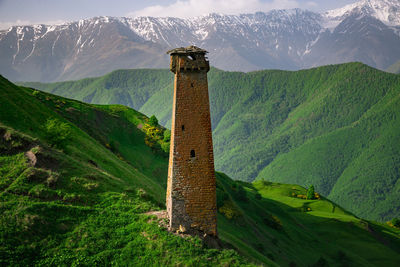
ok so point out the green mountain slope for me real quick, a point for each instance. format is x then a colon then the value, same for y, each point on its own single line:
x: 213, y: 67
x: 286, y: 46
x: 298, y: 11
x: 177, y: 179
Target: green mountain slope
x: 83, y: 201
x: 335, y: 126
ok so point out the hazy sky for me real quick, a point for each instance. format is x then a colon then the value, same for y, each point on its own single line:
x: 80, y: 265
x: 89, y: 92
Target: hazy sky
x: 23, y: 12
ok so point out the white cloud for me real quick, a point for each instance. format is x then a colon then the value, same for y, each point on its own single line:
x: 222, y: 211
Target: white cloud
x: 311, y: 4
x: 18, y: 22
x: 192, y: 8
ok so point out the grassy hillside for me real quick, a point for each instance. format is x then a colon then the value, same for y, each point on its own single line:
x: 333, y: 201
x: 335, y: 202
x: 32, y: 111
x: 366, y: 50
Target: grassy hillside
x: 82, y: 199
x: 334, y: 126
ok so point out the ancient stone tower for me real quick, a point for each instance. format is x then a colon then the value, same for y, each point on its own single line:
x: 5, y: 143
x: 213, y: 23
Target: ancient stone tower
x: 191, y: 191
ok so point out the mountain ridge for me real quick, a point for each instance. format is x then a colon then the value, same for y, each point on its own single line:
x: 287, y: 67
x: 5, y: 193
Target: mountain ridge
x: 278, y: 39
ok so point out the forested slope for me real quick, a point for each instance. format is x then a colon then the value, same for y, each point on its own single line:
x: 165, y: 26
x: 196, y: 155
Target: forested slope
x: 334, y: 126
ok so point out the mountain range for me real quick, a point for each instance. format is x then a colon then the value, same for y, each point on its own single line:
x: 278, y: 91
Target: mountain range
x: 367, y: 31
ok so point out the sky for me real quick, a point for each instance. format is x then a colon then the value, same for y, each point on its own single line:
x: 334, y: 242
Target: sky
x: 26, y: 12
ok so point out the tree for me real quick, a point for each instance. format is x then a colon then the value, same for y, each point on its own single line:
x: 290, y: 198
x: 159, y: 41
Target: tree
x: 311, y: 192
x: 57, y: 132
x: 153, y: 121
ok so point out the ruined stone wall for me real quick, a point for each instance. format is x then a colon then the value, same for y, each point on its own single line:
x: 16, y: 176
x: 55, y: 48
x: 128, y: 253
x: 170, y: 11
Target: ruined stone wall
x: 191, y: 192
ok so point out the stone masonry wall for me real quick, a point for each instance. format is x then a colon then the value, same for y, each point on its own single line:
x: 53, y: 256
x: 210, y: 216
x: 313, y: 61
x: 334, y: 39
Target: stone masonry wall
x: 191, y: 192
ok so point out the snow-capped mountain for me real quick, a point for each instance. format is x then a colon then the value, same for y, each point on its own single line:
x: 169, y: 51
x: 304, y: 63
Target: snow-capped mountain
x: 387, y: 11
x: 366, y: 31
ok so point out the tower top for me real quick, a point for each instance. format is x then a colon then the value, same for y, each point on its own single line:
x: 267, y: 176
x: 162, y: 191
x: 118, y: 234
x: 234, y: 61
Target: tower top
x: 191, y: 58
x: 187, y: 50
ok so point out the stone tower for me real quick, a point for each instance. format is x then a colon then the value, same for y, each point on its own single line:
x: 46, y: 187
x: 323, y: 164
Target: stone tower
x: 191, y: 191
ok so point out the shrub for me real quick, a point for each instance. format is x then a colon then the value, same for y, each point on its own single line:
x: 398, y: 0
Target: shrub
x: 114, y: 146
x: 241, y: 194
x: 90, y: 186
x: 141, y: 193
x: 311, y: 192
x: 229, y: 210
x: 396, y: 222
x: 154, y: 138
x: 52, y: 180
x: 266, y: 183
x: 222, y: 196
x: 153, y: 121
x: 165, y: 147
x: 167, y: 135
x: 71, y: 197
x: 273, y: 222
x: 57, y: 132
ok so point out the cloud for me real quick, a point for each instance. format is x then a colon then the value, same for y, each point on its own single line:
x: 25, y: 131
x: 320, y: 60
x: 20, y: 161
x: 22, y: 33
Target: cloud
x: 311, y: 4
x: 192, y: 8
x: 6, y: 25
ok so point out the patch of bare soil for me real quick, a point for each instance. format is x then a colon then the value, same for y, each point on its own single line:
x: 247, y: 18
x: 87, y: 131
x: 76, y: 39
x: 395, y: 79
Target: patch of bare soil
x: 31, y: 158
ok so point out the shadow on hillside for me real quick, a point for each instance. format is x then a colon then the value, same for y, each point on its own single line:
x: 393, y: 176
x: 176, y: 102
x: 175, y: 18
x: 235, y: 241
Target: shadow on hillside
x: 295, y: 237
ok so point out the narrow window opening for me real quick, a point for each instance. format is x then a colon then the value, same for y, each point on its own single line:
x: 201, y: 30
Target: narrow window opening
x: 183, y: 128
x: 192, y: 84
x: 192, y: 154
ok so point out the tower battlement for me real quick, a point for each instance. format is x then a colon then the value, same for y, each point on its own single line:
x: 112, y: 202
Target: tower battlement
x: 191, y: 190
x: 190, y: 58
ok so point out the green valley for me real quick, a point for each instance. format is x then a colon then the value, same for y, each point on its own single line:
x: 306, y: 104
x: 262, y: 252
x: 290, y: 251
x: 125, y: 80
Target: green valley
x: 335, y: 127
x: 78, y: 181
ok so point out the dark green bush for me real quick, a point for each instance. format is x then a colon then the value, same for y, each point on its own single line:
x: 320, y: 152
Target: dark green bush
x: 114, y: 146
x: 153, y: 121
x: 167, y: 135
x: 396, y: 222
x: 273, y: 222
x: 311, y: 192
x: 57, y: 132
x: 240, y: 194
